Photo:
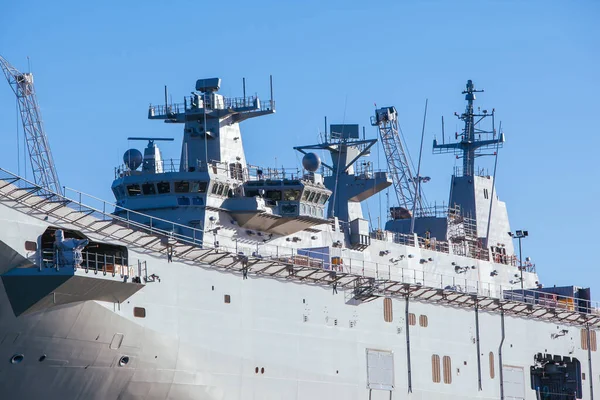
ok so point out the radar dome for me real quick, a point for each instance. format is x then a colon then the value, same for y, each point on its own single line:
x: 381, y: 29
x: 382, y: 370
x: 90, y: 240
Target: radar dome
x: 311, y: 162
x: 133, y: 159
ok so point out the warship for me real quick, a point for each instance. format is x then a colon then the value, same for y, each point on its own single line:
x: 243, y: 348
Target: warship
x: 211, y: 278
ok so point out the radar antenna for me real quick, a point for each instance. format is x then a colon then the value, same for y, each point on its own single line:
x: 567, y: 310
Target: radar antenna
x: 42, y: 164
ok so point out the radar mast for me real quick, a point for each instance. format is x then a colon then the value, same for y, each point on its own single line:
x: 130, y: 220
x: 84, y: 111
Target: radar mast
x: 473, y: 138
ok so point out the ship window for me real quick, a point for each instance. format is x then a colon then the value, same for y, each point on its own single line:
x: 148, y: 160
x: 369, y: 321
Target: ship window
x: 485, y: 194
x: 317, y: 197
x: 305, y: 195
x: 227, y: 299
x: 593, y: 343
x: 291, y: 195
x: 435, y: 369
x: 139, y: 312
x: 447, y: 370
x: 492, y: 371
x: 163, y: 187
x: 183, y: 201
x: 235, y: 171
x: 220, y: 189
x: 388, y: 315
x: 182, y: 187
x: 134, y: 190
x: 197, y: 201
x: 312, y: 196
x: 30, y: 246
x: 148, y: 188
x: 412, y: 319
x: 273, y: 194
x: 324, y: 198
x: 198, y: 187
x: 423, y: 321
x: 251, y: 192
x: 215, y: 187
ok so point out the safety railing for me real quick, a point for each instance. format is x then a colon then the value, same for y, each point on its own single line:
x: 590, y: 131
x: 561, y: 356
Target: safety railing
x: 390, y: 270
x: 241, y: 104
x: 98, y: 262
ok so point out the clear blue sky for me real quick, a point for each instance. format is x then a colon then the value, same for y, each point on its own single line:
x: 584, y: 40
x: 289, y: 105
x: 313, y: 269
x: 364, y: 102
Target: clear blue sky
x: 99, y: 64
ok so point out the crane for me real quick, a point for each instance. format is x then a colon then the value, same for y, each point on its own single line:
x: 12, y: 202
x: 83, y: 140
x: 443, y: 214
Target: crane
x: 405, y: 183
x: 42, y: 164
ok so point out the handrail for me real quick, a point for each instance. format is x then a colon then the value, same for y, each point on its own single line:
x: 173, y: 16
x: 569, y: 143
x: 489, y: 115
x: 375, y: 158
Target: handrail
x: 385, y: 272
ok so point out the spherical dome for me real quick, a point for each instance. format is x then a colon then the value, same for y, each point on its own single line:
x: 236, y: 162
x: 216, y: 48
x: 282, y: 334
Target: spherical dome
x: 311, y: 162
x: 133, y: 159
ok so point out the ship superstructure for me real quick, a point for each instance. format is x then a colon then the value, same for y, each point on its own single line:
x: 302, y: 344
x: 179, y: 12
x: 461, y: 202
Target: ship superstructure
x: 210, y: 278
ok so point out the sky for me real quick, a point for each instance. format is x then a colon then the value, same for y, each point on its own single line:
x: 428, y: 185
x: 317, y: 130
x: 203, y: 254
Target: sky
x: 98, y: 65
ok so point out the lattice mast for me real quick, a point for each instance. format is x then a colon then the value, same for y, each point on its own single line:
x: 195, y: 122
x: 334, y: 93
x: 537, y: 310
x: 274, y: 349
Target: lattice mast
x: 405, y: 184
x: 473, y: 138
x: 42, y: 164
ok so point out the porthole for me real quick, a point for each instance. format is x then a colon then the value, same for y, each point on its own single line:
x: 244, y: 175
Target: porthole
x: 256, y: 370
x: 17, y: 358
x: 42, y: 358
x: 139, y: 312
x: 123, y: 361
x: 262, y: 370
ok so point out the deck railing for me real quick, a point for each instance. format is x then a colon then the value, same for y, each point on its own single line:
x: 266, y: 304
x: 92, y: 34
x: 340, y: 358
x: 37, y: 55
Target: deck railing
x: 388, y: 271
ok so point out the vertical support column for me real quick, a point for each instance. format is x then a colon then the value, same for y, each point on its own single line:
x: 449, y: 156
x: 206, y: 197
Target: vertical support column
x: 408, y: 365
x: 500, y: 354
x: 589, y: 347
x: 478, y: 344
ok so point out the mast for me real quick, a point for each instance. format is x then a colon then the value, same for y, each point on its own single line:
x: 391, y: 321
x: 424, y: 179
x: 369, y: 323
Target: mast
x: 473, y: 138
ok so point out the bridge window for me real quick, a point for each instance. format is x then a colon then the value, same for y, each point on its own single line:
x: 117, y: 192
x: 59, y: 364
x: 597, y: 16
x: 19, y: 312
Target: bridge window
x: 317, y: 197
x: 312, y: 196
x: 148, y: 188
x: 198, y: 187
x: 236, y: 172
x: 291, y: 195
x: 324, y: 198
x: 182, y: 187
x: 163, y: 187
x: 251, y: 192
x: 305, y: 195
x: 273, y: 194
x: 134, y: 190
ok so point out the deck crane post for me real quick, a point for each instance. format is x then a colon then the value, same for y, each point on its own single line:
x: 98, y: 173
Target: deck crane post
x: 42, y: 164
x: 405, y: 183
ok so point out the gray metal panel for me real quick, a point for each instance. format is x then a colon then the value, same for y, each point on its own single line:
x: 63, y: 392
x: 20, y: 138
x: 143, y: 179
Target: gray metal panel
x: 514, y: 383
x: 380, y: 369
x: 344, y: 131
